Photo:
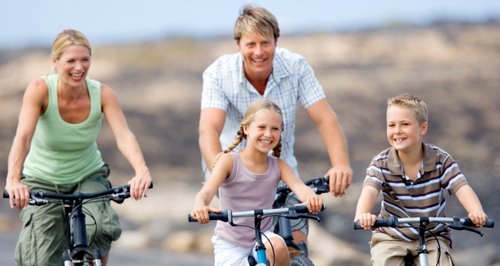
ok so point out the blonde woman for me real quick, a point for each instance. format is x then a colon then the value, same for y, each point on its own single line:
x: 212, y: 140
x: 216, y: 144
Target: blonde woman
x: 55, y: 150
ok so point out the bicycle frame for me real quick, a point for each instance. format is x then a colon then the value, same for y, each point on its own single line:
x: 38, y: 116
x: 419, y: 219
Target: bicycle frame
x: 455, y: 223
x: 78, y: 248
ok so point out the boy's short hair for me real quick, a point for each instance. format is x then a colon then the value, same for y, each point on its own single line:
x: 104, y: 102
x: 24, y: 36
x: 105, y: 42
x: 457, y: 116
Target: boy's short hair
x: 413, y: 103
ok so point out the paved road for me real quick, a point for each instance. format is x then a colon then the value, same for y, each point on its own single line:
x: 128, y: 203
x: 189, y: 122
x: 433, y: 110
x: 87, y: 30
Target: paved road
x: 119, y: 256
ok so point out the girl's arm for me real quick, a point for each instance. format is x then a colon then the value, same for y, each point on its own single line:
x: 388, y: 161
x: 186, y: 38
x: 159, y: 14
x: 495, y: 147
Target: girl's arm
x: 126, y: 142
x: 221, y: 170
x: 366, y: 201
x: 472, y: 205
x: 304, y: 193
x: 34, y: 102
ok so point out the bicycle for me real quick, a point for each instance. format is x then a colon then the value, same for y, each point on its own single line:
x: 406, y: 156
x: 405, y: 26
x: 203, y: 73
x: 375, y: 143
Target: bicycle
x: 298, y: 251
x: 455, y: 223
x: 291, y: 212
x: 78, y: 252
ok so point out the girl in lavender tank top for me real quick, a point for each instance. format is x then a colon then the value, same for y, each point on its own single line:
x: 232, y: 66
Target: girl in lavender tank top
x: 248, y: 180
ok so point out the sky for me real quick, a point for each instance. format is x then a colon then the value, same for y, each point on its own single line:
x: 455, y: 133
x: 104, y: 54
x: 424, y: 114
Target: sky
x: 35, y: 22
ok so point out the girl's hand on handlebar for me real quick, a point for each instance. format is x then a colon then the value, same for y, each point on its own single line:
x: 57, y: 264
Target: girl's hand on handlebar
x: 201, y: 213
x: 366, y: 220
x: 478, y: 218
x: 314, y: 204
x: 19, y: 194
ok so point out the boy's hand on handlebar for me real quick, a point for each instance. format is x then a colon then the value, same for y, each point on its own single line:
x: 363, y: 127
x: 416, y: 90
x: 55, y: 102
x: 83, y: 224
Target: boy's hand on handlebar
x: 19, y: 194
x: 201, y: 213
x: 366, y: 220
x: 478, y: 218
x: 340, y: 177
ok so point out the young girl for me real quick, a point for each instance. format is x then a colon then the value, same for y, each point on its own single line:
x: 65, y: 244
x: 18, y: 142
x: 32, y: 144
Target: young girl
x: 248, y: 180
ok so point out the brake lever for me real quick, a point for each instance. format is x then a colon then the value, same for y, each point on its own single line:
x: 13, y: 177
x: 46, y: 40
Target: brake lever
x: 466, y: 228
x: 302, y: 215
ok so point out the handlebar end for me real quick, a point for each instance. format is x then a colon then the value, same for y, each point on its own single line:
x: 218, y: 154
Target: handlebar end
x: 191, y: 219
x: 356, y: 225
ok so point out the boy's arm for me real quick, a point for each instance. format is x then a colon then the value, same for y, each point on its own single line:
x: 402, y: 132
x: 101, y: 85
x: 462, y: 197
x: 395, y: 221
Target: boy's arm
x: 472, y: 205
x: 366, y: 201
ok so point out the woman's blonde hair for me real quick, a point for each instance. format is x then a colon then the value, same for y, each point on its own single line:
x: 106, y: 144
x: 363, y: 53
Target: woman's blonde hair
x: 248, y: 118
x: 413, y: 103
x: 66, y: 38
x: 256, y: 20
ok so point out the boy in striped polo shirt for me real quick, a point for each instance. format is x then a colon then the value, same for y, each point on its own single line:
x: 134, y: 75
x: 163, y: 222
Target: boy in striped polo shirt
x: 412, y: 176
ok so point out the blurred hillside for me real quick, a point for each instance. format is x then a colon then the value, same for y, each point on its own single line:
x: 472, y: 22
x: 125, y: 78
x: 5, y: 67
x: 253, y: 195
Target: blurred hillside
x: 454, y: 67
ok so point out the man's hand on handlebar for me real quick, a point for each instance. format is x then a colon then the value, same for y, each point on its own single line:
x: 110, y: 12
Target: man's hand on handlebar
x: 340, y: 177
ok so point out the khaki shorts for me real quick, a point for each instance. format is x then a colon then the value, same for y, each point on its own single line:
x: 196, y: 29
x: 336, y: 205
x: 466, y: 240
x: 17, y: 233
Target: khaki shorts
x: 389, y: 251
x: 42, y: 240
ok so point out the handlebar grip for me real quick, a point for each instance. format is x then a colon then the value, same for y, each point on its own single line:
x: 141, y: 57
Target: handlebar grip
x: 299, y: 208
x: 489, y: 223
x: 357, y: 226
x: 302, y: 208
x: 387, y: 222
x: 222, y: 216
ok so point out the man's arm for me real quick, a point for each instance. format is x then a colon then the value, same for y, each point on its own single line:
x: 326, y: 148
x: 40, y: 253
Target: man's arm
x: 326, y: 121
x: 210, y: 127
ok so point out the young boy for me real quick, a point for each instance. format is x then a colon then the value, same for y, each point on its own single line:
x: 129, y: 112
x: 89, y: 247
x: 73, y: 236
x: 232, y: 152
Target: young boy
x: 412, y: 176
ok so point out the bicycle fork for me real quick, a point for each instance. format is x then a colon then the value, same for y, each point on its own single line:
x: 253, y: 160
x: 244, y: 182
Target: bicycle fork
x: 422, y: 252
x: 78, y: 242
x: 260, y: 248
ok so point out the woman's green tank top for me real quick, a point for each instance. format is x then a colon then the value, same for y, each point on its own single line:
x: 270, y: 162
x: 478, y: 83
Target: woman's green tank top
x: 62, y: 152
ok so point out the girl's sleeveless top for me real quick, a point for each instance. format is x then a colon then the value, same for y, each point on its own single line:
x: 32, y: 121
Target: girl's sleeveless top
x: 244, y: 190
x: 62, y: 152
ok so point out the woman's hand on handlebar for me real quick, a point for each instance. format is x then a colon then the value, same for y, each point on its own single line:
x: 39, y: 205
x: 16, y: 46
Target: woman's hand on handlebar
x: 19, y: 194
x: 366, y: 220
x: 140, y: 184
x: 201, y: 213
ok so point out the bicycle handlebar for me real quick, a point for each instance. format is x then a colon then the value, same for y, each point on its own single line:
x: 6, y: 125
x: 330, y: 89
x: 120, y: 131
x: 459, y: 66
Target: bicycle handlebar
x: 456, y: 223
x: 320, y: 185
x: 117, y: 194
x: 228, y: 215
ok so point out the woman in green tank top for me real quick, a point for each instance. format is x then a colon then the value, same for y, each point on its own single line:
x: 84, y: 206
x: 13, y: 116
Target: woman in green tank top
x: 55, y: 146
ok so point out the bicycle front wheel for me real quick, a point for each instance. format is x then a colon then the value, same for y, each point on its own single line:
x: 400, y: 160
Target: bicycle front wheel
x: 301, y: 261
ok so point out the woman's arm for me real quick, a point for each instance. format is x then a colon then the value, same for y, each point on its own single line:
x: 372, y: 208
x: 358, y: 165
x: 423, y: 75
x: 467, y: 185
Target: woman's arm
x: 126, y: 142
x: 34, y: 102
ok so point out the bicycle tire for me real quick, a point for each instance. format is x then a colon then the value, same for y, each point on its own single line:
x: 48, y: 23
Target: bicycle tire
x: 301, y: 261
